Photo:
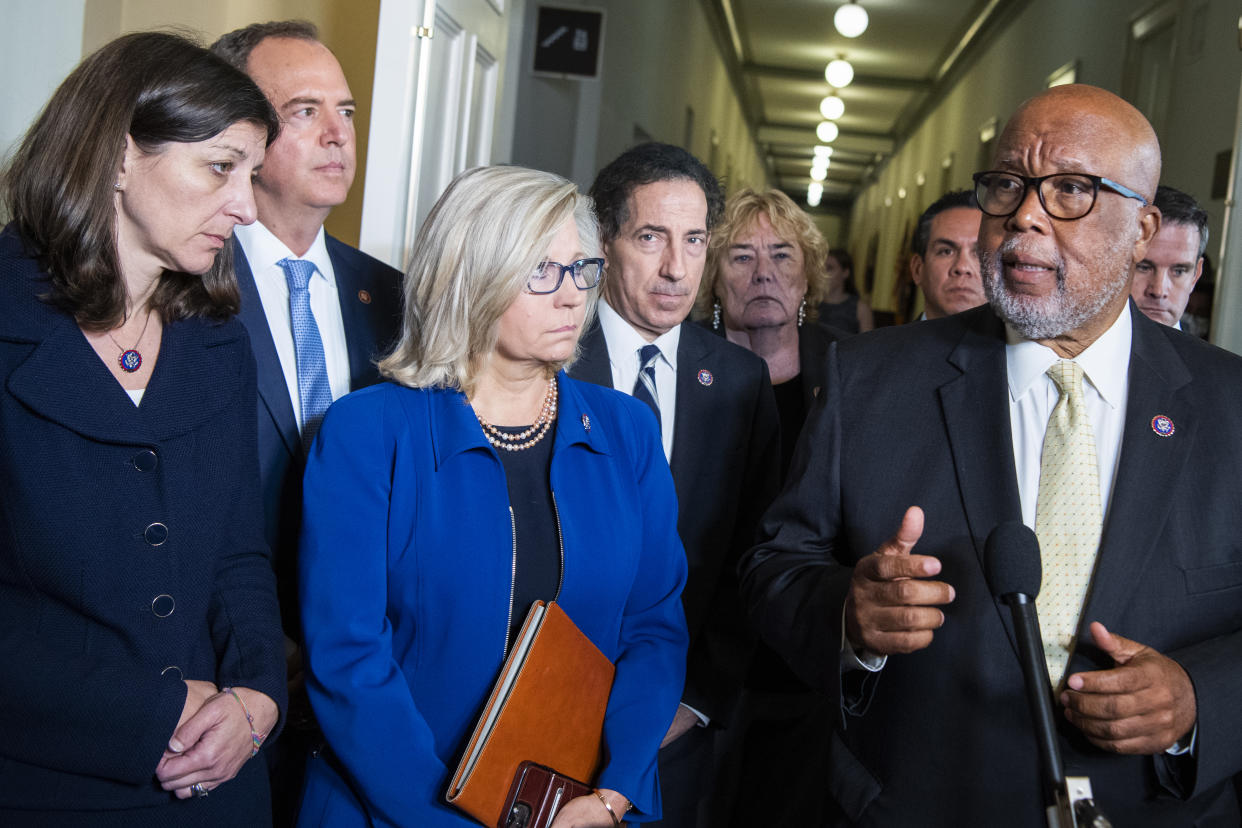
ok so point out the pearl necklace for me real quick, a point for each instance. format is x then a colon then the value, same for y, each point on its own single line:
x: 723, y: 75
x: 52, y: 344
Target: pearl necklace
x: 524, y: 440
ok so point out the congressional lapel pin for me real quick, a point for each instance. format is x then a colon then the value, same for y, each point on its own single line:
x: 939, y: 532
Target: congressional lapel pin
x: 586, y: 423
x: 705, y: 377
x: 1162, y: 425
x: 364, y: 296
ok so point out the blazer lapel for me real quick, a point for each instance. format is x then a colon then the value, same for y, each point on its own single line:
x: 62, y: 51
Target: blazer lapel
x: 1148, y: 463
x: 273, y: 391
x: 694, y: 397
x: 976, y: 418
x: 592, y: 364
x: 64, y: 381
x: 355, y: 313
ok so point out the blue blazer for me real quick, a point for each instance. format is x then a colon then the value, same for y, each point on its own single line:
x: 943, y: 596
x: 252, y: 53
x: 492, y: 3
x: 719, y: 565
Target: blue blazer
x: 370, y: 295
x: 406, y: 576
x: 131, y: 555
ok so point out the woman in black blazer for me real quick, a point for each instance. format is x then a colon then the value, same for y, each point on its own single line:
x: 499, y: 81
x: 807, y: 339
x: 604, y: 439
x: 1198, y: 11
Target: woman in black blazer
x: 762, y: 288
x: 139, y: 634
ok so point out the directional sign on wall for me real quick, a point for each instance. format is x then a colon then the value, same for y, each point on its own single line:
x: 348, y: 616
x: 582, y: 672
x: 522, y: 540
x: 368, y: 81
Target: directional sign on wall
x: 567, y: 42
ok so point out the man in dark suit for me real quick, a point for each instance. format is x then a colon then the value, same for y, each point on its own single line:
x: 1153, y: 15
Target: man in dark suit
x: 657, y: 204
x: 948, y: 428
x: 354, y: 299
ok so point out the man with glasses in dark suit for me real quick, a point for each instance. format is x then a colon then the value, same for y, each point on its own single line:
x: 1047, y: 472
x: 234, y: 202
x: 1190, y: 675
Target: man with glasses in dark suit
x: 1059, y: 405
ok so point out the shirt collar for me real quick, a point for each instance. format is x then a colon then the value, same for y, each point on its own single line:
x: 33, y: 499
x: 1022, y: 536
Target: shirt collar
x: 1105, y: 362
x: 264, y: 250
x: 623, y: 339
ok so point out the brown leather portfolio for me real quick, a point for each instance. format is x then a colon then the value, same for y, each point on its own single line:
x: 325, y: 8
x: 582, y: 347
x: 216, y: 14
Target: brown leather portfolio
x: 546, y: 707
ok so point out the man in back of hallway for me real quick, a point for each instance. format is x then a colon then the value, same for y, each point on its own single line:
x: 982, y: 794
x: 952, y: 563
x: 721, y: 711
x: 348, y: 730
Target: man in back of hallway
x: 1165, y: 278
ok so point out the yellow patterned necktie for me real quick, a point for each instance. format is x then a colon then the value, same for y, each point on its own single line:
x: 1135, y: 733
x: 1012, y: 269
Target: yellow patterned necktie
x: 1067, y: 517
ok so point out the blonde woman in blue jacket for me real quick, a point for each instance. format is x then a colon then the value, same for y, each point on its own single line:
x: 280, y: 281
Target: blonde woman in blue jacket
x: 439, y: 505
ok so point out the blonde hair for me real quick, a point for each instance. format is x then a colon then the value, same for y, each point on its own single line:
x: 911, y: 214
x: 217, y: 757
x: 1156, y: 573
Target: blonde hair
x: 473, y: 255
x: 789, y: 221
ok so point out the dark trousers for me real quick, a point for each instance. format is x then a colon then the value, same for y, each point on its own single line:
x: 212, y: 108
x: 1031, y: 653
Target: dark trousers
x: 686, y: 772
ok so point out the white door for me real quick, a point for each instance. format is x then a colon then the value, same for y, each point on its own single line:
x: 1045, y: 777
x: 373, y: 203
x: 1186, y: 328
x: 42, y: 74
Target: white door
x: 438, y: 67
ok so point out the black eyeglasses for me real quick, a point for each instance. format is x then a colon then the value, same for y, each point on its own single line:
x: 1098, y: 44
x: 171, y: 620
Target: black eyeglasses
x: 1065, y: 196
x: 548, y: 276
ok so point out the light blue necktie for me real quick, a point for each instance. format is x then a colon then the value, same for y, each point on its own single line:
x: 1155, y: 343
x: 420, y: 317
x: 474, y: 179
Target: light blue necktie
x: 644, y: 386
x: 314, y: 391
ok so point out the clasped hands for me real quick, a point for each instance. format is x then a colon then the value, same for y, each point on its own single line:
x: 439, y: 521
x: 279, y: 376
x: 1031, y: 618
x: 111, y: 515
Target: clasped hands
x: 212, y: 740
x: 1143, y: 705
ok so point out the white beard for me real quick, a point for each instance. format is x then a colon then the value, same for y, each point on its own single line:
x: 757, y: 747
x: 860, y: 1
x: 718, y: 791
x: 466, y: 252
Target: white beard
x: 1066, y: 309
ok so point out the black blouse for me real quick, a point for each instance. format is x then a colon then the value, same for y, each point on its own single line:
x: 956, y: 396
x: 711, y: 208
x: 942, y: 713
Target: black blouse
x: 537, y: 566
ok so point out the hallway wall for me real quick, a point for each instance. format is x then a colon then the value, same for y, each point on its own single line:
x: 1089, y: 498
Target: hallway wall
x: 662, y: 78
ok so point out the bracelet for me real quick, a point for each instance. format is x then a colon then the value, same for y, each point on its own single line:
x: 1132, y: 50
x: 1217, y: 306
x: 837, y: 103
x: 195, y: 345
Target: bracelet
x: 256, y: 738
x: 616, y: 822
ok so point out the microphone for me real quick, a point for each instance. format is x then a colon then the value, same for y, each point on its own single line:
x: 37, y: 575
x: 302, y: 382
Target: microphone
x: 1012, y: 566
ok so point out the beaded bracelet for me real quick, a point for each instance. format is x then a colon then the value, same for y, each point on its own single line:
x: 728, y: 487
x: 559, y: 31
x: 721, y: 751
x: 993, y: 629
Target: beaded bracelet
x: 256, y: 738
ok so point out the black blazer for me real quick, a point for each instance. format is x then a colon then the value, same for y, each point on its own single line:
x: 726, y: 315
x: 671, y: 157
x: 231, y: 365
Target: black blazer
x: 370, y: 295
x: 725, y: 455
x: 131, y: 557
x: 918, y: 415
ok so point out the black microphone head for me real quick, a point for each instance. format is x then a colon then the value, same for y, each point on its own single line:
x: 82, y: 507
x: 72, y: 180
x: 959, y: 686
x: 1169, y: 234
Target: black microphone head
x: 1011, y: 560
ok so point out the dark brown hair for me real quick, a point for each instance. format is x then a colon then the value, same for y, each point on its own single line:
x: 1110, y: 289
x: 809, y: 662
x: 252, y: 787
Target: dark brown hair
x: 157, y: 88
x: 647, y: 164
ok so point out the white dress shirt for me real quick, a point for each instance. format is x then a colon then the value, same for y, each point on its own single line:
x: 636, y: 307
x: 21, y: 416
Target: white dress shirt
x: 263, y: 251
x: 1033, y: 394
x: 624, y: 343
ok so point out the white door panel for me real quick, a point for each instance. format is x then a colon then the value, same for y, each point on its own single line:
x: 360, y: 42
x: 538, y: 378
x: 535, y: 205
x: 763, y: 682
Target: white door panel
x: 437, y: 76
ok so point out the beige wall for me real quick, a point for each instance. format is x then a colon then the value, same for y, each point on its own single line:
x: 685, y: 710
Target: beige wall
x: 348, y: 28
x: 1044, y: 37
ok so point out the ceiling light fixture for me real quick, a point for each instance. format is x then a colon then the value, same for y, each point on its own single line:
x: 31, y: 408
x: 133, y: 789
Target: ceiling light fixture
x: 827, y: 132
x: 839, y: 73
x: 819, y: 173
x: 814, y: 193
x: 851, y: 20
x: 822, y: 151
x: 832, y: 107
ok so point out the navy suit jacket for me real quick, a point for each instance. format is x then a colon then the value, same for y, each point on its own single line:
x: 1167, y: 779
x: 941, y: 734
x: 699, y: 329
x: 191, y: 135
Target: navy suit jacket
x: 726, y: 440
x: 370, y: 295
x: 918, y: 415
x: 131, y: 558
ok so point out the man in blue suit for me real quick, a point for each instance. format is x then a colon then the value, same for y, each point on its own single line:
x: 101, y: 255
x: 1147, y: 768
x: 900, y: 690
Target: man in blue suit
x: 354, y: 306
